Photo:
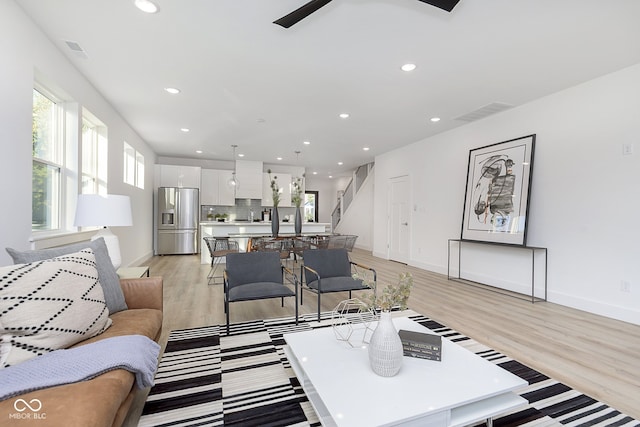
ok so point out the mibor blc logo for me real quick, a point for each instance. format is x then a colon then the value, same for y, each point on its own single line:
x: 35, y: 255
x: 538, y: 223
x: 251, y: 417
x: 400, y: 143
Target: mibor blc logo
x: 30, y: 410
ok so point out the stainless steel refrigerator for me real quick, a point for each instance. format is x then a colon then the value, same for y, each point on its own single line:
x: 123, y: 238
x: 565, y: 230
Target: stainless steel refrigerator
x: 177, y: 221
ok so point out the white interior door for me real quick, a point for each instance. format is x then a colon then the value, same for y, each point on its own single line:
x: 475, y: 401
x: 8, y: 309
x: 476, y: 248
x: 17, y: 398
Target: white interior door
x: 399, y: 212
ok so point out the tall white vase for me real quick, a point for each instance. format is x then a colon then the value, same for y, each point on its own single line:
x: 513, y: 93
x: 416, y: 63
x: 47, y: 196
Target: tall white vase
x: 385, y: 348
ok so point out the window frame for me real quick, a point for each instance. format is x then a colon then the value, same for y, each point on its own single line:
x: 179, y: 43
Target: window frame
x: 98, y: 145
x: 54, y: 215
x: 307, y: 207
x: 133, y: 166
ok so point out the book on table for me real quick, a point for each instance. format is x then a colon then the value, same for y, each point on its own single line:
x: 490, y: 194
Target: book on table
x: 421, y: 345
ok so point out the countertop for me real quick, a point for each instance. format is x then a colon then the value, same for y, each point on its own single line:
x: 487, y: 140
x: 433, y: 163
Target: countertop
x: 247, y: 223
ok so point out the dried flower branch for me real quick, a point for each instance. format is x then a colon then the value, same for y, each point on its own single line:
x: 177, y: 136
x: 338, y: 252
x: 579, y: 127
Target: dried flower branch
x: 296, y: 194
x: 392, y: 295
x: 275, y: 190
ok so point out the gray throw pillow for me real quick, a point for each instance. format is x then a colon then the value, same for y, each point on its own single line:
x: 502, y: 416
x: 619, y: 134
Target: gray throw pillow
x: 107, y: 274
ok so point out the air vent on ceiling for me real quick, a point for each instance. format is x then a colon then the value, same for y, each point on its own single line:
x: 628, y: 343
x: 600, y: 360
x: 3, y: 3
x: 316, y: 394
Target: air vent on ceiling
x: 76, y: 49
x: 482, y: 112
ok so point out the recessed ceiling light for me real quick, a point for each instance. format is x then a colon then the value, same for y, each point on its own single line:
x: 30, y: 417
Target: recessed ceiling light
x: 340, y: 163
x: 330, y: 176
x: 278, y: 158
x: 435, y: 119
x: 408, y: 67
x: 315, y: 173
x: 172, y: 90
x: 365, y: 148
x: 344, y: 115
x: 199, y: 151
x: 185, y: 130
x: 240, y: 155
x: 306, y: 142
x: 146, y: 6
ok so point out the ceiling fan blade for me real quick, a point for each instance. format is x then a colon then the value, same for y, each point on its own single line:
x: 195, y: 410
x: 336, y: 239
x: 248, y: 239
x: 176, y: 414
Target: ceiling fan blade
x: 301, y: 13
x: 447, y: 5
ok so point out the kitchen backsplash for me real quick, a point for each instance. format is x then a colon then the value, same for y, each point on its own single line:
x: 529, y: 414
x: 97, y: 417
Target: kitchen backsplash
x: 241, y: 211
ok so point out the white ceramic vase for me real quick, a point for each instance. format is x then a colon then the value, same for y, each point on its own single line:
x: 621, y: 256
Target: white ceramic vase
x: 385, y: 348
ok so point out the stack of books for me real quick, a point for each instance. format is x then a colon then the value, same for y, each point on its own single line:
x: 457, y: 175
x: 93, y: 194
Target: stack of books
x: 421, y: 345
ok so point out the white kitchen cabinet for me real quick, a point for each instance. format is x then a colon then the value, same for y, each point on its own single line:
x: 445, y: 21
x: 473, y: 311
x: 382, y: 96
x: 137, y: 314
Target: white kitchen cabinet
x: 284, y: 184
x: 215, y: 189
x: 249, y: 175
x: 178, y: 176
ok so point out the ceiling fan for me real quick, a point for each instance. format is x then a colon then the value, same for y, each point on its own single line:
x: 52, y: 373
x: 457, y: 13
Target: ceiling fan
x: 310, y: 7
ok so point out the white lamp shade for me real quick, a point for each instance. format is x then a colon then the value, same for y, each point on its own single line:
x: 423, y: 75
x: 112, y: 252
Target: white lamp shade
x: 94, y: 210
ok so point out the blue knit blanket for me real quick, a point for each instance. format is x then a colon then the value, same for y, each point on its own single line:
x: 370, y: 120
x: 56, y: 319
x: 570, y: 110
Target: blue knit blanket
x: 135, y: 353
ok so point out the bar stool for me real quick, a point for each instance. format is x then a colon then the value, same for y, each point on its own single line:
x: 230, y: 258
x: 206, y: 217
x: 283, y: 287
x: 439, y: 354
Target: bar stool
x: 219, y: 248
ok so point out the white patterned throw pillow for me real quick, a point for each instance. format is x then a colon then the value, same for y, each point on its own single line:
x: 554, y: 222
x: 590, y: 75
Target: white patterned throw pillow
x: 49, y: 305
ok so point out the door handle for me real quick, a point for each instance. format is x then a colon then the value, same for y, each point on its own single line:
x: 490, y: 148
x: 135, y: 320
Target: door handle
x: 405, y: 223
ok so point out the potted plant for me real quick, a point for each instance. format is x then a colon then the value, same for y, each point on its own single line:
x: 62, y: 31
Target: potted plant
x: 385, y: 347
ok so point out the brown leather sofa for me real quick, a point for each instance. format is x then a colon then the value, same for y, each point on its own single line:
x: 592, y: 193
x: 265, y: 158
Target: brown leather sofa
x: 106, y: 399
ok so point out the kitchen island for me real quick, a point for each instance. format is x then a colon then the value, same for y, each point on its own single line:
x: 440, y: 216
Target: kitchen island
x: 242, y: 231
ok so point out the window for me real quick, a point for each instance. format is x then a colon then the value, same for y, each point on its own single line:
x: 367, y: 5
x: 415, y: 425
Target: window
x: 133, y: 167
x: 48, y: 162
x: 311, y: 206
x: 69, y: 149
x: 94, y: 155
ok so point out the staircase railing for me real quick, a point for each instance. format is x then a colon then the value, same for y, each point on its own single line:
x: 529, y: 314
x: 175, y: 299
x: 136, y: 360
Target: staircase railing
x: 346, y: 197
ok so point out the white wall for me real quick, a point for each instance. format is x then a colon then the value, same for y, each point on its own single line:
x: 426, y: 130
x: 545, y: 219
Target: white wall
x: 326, y: 189
x: 585, y: 194
x: 23, y: 51
x: 358, y: 218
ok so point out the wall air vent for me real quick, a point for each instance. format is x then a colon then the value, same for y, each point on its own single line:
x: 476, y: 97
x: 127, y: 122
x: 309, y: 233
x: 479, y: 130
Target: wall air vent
x: 76, y: 49
x: 482, y: 112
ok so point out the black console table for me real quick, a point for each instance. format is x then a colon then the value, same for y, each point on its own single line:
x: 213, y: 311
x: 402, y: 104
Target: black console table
x: 532, y: 249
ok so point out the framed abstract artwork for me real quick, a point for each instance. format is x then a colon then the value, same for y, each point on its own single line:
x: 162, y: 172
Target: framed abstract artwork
x: 496, y: 201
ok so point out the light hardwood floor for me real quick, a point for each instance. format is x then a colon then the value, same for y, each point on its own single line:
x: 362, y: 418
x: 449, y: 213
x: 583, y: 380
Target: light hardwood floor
x: 593, y: 354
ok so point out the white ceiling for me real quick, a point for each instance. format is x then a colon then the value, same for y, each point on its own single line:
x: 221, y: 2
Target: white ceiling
x: 249, y: 82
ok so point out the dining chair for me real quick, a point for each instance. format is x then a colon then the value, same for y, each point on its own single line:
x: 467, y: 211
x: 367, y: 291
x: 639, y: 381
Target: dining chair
x: 219, y: 248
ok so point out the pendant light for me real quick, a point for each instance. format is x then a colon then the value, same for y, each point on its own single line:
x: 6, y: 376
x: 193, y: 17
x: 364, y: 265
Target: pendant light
x: 233, y: 182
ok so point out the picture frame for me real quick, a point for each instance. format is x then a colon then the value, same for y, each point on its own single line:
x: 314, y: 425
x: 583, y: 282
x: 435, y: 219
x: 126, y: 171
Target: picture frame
x: 496, y: 201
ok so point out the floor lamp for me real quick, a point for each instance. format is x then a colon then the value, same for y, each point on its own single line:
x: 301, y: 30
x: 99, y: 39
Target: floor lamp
x: 112, y: 210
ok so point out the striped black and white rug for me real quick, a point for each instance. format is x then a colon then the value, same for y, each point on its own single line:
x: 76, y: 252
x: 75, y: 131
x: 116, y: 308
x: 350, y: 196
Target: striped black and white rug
x: 206, y: 378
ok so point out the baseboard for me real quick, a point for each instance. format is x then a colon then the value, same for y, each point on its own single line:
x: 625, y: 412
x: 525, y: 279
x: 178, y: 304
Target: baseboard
x: 363, y: 247
x: 379, y: 254
x: 518, y: 287
x: 611, y: 311
x: 141, y: 260
x: 429, y: 267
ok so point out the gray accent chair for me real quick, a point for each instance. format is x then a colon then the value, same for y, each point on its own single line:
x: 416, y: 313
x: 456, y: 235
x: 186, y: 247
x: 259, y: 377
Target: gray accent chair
x: 330, y: 270
x: 252, y: 276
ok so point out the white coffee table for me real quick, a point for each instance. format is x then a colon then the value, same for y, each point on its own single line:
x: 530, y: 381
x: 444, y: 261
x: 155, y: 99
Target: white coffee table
x: 337, y: 378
